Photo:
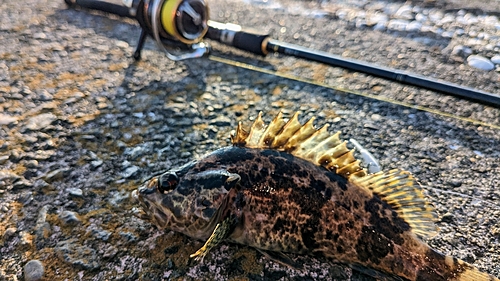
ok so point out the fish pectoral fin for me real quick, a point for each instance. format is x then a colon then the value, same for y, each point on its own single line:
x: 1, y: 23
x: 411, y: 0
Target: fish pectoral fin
x: 399, y: 189
x: 221, y: 232
x: 281, y: 258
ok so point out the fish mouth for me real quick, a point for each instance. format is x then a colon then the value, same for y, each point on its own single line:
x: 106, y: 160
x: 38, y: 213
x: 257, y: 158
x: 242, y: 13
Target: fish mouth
x: 138, y: 211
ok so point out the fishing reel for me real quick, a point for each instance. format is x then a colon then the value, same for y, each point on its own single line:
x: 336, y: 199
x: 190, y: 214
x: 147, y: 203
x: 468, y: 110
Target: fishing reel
x: 177, y: 26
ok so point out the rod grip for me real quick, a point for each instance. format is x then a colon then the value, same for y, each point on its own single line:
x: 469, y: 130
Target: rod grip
x: 232, y: 35
x: 250, y: 42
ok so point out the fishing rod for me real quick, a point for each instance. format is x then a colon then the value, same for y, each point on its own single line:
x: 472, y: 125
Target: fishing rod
x: 179, y: 27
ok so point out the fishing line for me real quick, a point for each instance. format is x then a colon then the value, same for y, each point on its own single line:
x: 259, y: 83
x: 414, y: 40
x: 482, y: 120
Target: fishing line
x: 339, y: 89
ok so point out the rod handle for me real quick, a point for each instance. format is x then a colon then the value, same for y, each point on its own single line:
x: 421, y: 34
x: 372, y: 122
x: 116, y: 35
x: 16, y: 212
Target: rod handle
x: 232, y: 35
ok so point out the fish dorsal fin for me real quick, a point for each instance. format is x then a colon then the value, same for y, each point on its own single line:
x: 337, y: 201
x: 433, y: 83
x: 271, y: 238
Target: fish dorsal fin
x: 400, y: 190
x: 303, y: 141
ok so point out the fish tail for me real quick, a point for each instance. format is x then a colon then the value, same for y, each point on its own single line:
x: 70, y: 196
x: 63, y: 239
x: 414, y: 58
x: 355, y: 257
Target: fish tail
x: 451, y: 269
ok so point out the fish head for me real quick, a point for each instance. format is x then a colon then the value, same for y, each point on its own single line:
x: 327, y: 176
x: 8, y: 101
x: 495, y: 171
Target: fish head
x: 186, y: 200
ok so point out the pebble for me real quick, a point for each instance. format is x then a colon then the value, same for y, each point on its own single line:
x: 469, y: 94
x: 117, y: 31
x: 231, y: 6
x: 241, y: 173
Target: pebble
x: 495, y: 59
x: 455, y: 183
x: 117, y: 198
x: 55, y: 175
x: 4, y: 159
x: 130, y: 237
x: 448, y: 217
x: 413, y: 26
x: 96, y: 164
x: 72, y: 252
x: 397, y: 24
x: 101, y: 234
x: 69, y: 217
x: 480, y: 62
x: 461, y: 50
x: 110, y: 252
x: 130, y: 172
x: 41, y: 121
x: 9, y: 232
x: 73, y: 191
x: 42, y: 227
x: 6, y: 119
x: 138, y: 151
x: 25, y: 198
x: 221, y: 121
x: 416, y: 19
x: 33, y: 270
x: 8, y: 176
x: 31, y: 164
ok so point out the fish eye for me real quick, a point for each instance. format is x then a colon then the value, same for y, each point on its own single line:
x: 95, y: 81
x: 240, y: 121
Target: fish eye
x: 167, y: 182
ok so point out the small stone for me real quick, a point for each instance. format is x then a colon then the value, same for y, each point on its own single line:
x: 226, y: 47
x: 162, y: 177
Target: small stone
x: 413, y: 26
x: 41, y: 121
x: 170, y: 264
x: 39, y: 35
x: 495, y: 59
x: 397, y: 24
x: 73, y: 191
x: 101, y: 234
x: 117, y: 198
x: 55, y: 175
x: 221, y: 121
x: 69, y: 217
x: 130, y: 237
x: 110, y: 252
x: 4, y: 159
x: 130, y: 172
x: 96, y: 164
x: 39, y: 184
x: 31, y: 164
x: 6, y: 119
x: 121, y: 44
x: 376, y: 18
x: 480, y: 62
x: 33, y: 270
x: 42, y: 227
x: 25, y: 198
x: 376, y: 117
x: 26, y: 238
x: 21, y: 184
x: 43, y: 154
x: 455, y: 183
x: 9, y: 232
x: 461, y: 50
x: 448, y: 217
x: 8, y: 176
x: 371, y: 125
x: 72, y: 252
x: 404, y: 12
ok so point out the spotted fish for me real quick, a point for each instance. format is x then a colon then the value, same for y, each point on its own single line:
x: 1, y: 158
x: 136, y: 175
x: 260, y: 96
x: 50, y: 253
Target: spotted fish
x: 290, y: 188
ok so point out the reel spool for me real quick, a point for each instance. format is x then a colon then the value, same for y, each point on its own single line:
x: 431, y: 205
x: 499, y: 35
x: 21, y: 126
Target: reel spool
x: 174, y: 24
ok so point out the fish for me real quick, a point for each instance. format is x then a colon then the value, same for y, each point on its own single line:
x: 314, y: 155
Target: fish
x: 289, y: 188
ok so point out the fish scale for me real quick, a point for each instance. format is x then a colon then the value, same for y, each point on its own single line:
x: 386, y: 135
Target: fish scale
x: 289, y: 188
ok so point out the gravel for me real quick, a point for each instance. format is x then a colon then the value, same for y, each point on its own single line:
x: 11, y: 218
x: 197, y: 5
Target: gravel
x: 82, y: 125
x: 33, y: 270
